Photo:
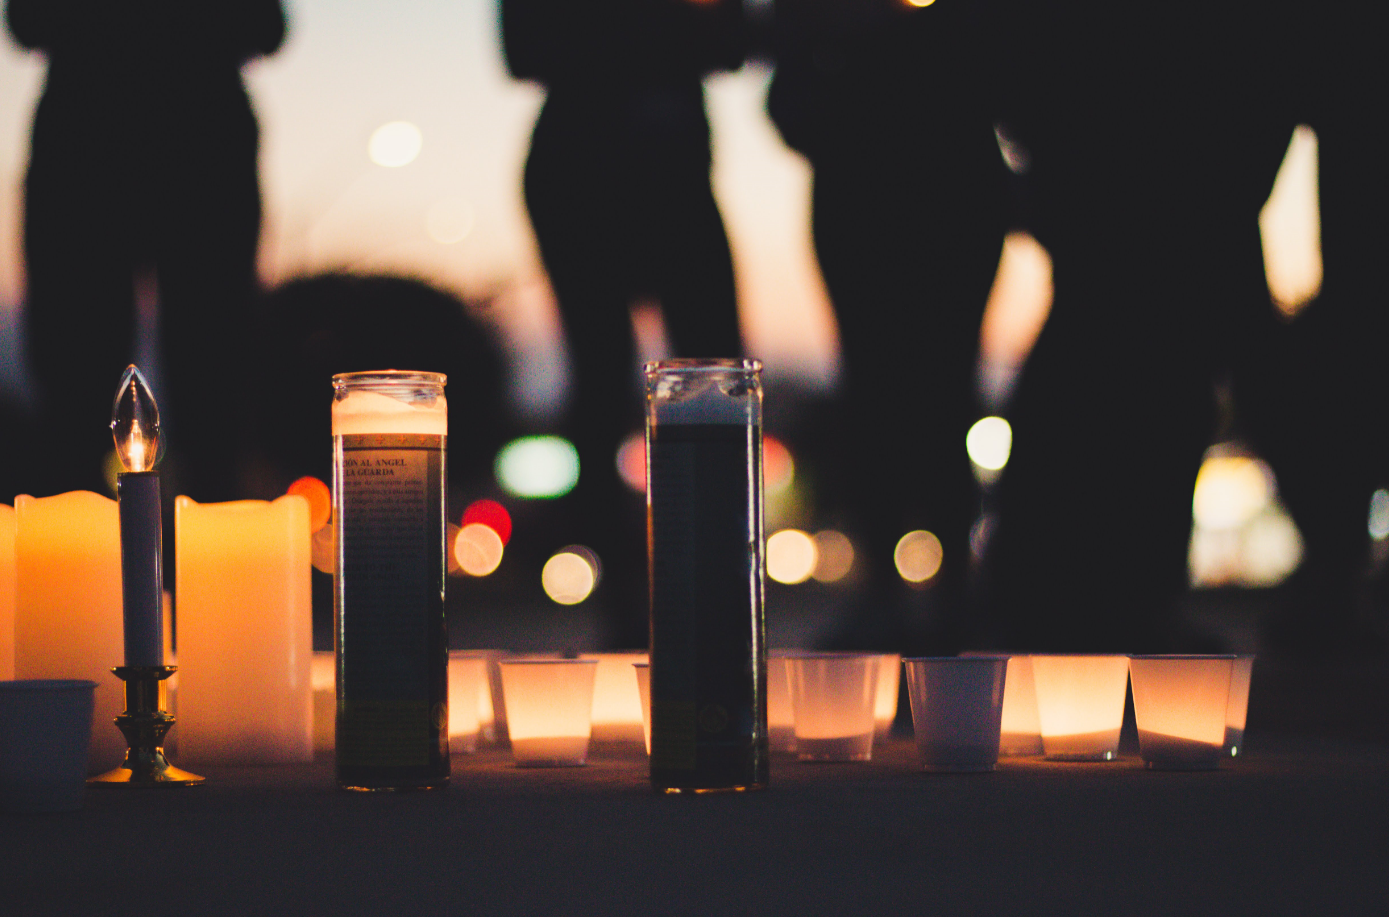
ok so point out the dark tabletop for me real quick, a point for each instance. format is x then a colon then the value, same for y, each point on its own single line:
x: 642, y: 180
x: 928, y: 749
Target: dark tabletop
x: 1298, y: 826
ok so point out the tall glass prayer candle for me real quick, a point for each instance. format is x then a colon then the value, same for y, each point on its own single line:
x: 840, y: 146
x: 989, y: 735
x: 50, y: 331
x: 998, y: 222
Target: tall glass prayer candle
x: 135, y: 428
x: 704, y: 536
x: 389, y: 432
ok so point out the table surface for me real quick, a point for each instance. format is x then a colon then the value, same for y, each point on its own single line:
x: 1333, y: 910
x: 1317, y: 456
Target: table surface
x: 1298, y: 826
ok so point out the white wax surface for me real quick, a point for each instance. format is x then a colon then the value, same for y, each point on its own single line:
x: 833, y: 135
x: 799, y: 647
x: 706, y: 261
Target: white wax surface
x: 245, y: 636
x: 372, y: 412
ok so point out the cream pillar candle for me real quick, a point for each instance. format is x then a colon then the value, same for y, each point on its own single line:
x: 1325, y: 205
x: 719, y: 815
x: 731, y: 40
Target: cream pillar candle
x: 68, y: 604
x: 6, y: 592
x: 245, y: 641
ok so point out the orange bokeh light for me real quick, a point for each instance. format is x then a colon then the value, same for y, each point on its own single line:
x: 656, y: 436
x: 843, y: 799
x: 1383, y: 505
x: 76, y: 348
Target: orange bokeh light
x: 319, y: 497
x: 491, y: 514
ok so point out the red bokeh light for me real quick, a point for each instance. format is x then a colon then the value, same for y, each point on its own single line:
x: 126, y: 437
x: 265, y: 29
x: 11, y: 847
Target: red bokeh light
x: 319, y: 497
x: 491, y: 514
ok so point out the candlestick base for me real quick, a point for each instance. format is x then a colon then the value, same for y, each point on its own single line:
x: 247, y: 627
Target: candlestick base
x: 144, y: 726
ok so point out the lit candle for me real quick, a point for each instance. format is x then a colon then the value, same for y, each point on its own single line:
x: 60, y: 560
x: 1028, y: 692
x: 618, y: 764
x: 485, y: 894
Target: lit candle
x: 6, y: 592
x: 68, y: 603
x: 135, y: 427
x: 245, y: 639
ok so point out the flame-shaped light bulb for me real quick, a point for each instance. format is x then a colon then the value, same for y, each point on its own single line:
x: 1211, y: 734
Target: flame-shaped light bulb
x: 135, y: 423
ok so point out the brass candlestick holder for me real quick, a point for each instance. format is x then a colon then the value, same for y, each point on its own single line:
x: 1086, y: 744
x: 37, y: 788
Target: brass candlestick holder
x: 144, y: 726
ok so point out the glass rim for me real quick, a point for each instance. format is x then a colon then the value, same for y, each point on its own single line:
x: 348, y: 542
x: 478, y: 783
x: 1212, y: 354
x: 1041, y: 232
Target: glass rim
x: 378, y: 376
x: 1168, y: 656
x: 981, y: 657
x: 696, y: 365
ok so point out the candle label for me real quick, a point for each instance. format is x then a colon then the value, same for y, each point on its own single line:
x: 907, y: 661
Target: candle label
x: 389, y: 592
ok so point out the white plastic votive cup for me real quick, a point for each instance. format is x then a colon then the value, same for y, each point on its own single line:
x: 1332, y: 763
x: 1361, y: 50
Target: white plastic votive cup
x: 45, y: 731
x: 1179, y: 703
x: 643, y: 672
x: 1237, y: 711
x: 834, y: 696
x: 1080, y: 705
x: 957, y: 707
x: 549, y: 707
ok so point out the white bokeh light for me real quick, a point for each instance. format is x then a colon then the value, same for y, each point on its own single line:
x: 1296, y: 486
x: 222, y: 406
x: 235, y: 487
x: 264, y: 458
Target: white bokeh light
x: 395, y: 144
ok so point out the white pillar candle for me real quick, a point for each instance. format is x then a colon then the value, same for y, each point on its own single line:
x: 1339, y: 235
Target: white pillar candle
x: 245, y: 636
x: 6, y: 593
x: 68, y: 604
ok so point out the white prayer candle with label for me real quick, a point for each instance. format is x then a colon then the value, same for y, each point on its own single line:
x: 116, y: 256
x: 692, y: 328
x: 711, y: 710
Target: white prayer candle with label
x: 389, y: 432
x: 245, y: 631
x: 68, y: 604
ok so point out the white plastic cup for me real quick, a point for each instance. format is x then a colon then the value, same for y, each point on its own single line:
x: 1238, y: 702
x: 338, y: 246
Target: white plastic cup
x: 834, y: 697
x: 885, y: 707
x: 957, y: 709
x: 45, y: 731
x: 1179, y: 703
x: 549, y: 710
x: 643, y: 673
x: 1080, y: 705
x: 781, y: 716
x: 467, y: 680
x: 1237, y: 711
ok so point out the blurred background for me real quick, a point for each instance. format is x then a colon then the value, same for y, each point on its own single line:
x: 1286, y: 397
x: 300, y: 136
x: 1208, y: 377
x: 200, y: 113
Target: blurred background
x: 392, y: 146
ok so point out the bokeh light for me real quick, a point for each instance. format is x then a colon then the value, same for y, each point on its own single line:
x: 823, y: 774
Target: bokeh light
x: 918, y: 556
x: 631, y: 462
x: 319, y: 497
x: 919, y: 4
x: 778, y: 469
x: 450, y: 220
x: 478, y: 549
x: 791, y: 556
x: 1230, y: 491
x: 491, y: 514
x: 989, y: 443
x: 395, y: 144
x: 450, y: 549
x: 538, y: 467
x: 834, y: 556
x: 570, y: 576
x: 1379, y: 515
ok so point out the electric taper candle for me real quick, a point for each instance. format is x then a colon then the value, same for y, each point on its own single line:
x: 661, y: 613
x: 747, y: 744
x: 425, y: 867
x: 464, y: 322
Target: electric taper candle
x: 135, y: 427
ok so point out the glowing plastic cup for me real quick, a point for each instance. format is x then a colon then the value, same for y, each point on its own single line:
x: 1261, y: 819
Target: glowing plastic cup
x: 1021, y: 731
x: 1180, y: 703
x: 549, y: 708
x: 643, y: 670
x: 467, y: 681
x: 1238, y: 709
x: 957, y: 707
x: 781, y: 719
x: 616, y: 706
x: 834, y: 696
x: 1080, y: 705
x: 885, y: 707
x: 45, y: 731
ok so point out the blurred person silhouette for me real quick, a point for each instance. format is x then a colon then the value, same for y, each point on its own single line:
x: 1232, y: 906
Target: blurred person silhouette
x: 142, y: 172
x: 618, y: 189
x: 890, y: 103
x: 1316, y: 399
x: 1153, y: 145
x: 311, y: 328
